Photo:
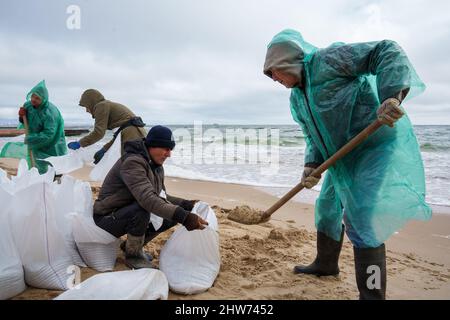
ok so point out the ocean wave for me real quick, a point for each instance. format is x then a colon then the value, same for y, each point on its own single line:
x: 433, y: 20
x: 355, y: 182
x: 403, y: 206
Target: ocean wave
x: 178, y: 172
x: 434, y: 147
x: 439, y: 203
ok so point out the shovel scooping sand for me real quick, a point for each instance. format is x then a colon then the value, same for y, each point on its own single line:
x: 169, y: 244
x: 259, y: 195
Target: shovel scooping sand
x: 246, y: 215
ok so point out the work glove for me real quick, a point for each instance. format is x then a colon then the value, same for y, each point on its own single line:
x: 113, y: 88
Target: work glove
x: 99, y: 155
x: 188, y: 205
x: 22, y: 112
x: 389, y: 112
x: 307, y: 180
x: 74, y: 145
x: 194, y: 222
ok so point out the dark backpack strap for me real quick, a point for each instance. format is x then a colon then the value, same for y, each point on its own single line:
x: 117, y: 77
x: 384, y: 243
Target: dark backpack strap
x: 135, y: 121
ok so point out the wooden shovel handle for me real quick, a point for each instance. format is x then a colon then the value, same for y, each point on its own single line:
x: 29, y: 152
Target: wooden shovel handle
x: 25, y: 124
x: 363, y: 135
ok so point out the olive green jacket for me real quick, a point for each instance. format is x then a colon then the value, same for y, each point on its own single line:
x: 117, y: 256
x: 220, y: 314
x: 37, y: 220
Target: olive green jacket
x: 108, y: 115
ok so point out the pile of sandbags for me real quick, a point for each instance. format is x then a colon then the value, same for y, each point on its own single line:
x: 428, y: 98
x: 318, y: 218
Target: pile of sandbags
x: 46, y: 228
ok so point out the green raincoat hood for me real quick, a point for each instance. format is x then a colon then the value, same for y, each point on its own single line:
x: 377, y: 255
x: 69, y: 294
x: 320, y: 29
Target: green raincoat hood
x: 40, y: 90
x: 286, y: 57
x: 286, y: 52
x: 90, y: 98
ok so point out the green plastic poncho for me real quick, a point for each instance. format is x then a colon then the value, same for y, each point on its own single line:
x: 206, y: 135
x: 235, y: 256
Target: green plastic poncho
x: 380, y: 185
x: 46, y: 128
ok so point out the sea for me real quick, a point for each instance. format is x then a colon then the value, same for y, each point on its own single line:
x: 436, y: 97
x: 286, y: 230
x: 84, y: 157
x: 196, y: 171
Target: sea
x: 270, y: 157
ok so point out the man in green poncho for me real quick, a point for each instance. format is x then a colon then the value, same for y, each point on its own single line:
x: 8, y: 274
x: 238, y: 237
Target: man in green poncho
x: 45, y: 125
x: 108, y: 115
x: 336, y: 92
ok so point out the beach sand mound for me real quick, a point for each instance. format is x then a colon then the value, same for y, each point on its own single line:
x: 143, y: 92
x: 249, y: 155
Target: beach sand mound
x: 257, y: 263
x: 9, y: 165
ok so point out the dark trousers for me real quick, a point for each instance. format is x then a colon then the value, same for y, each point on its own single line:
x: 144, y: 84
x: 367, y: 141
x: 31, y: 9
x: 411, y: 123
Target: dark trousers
x: 132, y: 219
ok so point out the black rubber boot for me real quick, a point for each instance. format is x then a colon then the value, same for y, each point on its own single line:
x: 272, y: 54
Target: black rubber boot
x: 134, y: 255
x: 326, y: 262
x: 370, y: 271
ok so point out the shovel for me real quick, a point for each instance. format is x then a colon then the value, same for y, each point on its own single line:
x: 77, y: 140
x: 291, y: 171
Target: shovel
x: 25, y: 124
x: 259, y: 217
x: 352, y: 144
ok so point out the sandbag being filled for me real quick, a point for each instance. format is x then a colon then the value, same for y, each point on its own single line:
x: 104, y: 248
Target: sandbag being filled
x: 191, y: 259
x: 102, y: 168
x: 74, y: 160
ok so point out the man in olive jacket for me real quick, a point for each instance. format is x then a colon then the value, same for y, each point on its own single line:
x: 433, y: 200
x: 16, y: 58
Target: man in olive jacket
x: 108, y: 115
x: 134, y: 190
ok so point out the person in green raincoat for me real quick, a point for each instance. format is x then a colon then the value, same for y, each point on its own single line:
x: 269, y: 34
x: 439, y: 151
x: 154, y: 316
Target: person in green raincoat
x: 45, y: 125
x: 336, y: 92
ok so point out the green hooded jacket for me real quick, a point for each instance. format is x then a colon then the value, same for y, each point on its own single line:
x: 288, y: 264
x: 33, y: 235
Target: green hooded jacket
x: 46, y: 128
x: 380, y: 185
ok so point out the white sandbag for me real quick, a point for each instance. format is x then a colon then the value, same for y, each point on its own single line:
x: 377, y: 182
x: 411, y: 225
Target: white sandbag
x: 3, y: 176
x: 142, y: 284
x: 35, y: 232
x: 26, y: 177
x: 11, y: 272
x: 71, y: 197
x: 191, y: 259
x: 67, y: 163
x: 74, y: 160
x: 97, y: 247
x: 5, y: 182
x: 102, y: 168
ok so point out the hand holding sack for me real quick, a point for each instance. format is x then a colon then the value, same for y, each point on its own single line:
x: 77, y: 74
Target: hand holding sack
x: 99, y: 155
x: 194, y: 222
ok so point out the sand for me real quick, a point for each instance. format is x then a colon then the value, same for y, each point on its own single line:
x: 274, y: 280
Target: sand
x: 245, y: 214
x: 257, y: 260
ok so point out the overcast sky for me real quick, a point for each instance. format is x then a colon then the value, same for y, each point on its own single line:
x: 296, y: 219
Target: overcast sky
x: 176, y: 61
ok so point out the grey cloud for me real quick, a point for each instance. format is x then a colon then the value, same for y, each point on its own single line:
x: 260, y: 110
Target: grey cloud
x: 179, y: 61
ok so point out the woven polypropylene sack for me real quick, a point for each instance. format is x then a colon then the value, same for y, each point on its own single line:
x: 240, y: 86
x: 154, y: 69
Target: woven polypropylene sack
x: 191, y: 259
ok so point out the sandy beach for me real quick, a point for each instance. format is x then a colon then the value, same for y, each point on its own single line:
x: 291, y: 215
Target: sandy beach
x: 257, y: 260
